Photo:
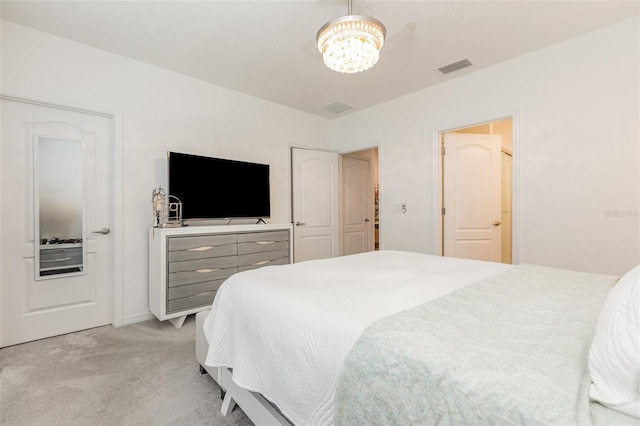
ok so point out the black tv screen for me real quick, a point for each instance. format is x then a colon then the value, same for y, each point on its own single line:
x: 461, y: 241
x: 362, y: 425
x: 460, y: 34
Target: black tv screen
x: 214, y: 188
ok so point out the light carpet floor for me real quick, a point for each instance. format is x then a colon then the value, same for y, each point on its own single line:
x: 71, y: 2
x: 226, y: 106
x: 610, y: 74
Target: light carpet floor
x: 141, y: 374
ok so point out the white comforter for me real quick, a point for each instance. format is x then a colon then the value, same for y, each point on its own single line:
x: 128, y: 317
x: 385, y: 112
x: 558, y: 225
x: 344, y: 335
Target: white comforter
x: 286, y: 330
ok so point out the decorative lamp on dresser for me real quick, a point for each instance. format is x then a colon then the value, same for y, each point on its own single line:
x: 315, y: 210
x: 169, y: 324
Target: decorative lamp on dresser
x: 187, y: 265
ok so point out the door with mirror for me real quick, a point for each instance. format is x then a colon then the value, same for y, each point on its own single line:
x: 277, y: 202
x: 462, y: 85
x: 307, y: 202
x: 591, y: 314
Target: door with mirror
x: 57, y: 273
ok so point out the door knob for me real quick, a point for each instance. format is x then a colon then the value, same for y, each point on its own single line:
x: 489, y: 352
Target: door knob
x: 103, y: 231
x: 366, y: 220
x: 300, y: 223
x: 496, y: 223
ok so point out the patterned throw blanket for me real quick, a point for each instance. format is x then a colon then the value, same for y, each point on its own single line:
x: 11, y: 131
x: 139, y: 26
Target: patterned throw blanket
x: 508, y: 350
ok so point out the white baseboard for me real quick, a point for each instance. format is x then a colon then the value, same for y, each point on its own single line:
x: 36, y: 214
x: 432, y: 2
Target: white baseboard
x: 132, y: 319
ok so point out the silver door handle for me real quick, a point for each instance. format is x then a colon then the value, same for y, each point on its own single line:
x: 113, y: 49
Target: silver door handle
x: 103, y: 231
x: 300, y: 223
x: 496, y: 223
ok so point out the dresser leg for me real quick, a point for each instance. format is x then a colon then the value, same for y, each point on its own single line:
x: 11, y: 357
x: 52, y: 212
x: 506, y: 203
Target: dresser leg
x: 178, y: 321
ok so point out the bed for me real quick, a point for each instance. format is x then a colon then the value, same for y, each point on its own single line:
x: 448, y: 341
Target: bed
x: 392, y: 337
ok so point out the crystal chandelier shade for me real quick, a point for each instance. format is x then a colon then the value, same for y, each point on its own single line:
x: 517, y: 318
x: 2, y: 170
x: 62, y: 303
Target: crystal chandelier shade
x: 351, y: 43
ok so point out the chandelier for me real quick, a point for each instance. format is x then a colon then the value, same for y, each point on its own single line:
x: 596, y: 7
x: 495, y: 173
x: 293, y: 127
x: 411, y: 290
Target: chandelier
x: 351, y: 43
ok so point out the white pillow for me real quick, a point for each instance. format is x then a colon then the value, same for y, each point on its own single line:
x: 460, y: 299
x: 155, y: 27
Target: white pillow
x: 614, y: 356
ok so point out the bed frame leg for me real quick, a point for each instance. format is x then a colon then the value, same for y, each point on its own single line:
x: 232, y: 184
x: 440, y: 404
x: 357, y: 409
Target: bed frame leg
x: 228, y: 404
x: 222, y: 391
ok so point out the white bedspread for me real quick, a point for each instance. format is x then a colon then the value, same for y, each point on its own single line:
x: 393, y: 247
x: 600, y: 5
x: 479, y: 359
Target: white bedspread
x: 286, y: 330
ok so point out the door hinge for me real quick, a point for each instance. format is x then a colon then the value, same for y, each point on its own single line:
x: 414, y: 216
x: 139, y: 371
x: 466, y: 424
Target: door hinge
x: 442, y: 211
x: 443, y: 150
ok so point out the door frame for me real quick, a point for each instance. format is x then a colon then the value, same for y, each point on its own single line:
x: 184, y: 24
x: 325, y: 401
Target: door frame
x: 117, y: 286
x: 438, y: 178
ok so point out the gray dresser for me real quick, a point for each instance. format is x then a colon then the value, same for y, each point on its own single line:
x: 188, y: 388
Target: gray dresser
x: 60, y: 258
x: 188, y: 265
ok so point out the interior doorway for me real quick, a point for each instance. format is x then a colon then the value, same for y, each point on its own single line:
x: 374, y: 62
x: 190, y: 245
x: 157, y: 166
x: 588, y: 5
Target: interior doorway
x: 359, y: 216
x: 476, y: 191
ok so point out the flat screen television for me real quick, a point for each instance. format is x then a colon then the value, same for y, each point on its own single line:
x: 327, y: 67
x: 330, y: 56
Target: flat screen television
x: 215, y: 188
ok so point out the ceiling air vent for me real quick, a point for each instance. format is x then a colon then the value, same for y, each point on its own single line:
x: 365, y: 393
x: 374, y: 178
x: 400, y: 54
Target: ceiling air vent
x: 336, y: 107
x: 455, y: 66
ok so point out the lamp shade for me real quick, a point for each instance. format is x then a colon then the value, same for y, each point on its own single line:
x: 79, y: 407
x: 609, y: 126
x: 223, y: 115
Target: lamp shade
x: 351, y: 43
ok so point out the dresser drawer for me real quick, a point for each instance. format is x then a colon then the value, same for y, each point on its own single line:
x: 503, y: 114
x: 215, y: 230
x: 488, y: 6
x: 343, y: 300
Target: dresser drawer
x: 257, y: 260
x: 58, y: 253
x: 197, y: 301
x: 200, y: 247
x: 62, y: 263
x: 261, y: 247
x: 226, y: 262
x: 251, y: 237
x: 257, y: 242
x: 194, y: 289
x: 178, y: 279
x: 279, y: 261
x: 56, y: 258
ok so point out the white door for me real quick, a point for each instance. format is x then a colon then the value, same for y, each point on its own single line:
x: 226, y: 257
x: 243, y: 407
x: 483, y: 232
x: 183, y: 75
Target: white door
x: 471, y: 196
x: 315, y: 204
x: 357, y: 207
x: 57, y: 273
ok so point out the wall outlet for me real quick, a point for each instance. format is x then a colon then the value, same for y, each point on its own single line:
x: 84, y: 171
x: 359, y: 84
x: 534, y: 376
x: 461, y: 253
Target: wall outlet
x: 403, y: 207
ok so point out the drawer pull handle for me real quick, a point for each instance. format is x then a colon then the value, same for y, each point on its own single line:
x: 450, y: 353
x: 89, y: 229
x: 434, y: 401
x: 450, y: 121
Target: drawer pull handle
x: 62, y: 259
x: 203, y: 248
x: 206, y: 270
x: 261, y: 262
x: 265, y: 242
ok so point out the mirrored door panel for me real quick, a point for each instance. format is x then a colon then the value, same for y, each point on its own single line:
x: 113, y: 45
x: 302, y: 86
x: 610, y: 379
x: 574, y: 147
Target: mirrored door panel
x: 60, y: 201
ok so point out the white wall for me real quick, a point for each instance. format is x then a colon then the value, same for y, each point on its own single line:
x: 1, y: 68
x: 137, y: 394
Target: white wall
x: 577, y: 111
x: 161, y: 111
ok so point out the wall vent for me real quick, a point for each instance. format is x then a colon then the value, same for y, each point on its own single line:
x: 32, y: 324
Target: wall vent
x: 455, y: 66
x: 336, y: 107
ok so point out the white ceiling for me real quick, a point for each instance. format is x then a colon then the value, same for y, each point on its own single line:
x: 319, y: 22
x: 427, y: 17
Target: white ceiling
x: 265, y: 48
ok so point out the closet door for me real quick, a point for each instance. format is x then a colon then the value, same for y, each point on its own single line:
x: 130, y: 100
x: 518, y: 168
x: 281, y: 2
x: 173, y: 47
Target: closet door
x: 357, y: 205
x: 315, y: 202
x: 56, y: 252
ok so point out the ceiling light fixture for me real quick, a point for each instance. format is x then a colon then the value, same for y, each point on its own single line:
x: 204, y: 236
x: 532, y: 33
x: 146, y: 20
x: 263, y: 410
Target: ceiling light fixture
x: 351, y: 43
